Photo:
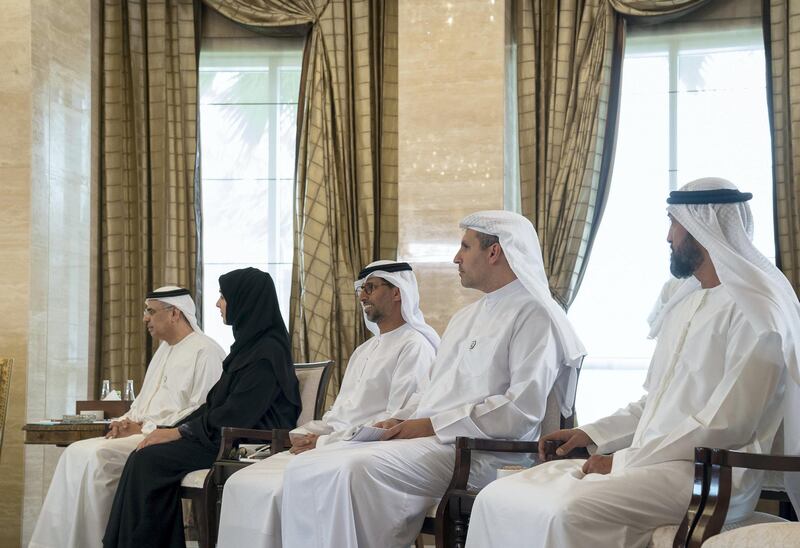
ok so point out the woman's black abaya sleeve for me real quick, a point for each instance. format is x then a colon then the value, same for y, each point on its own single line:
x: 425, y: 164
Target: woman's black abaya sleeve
x: 251, y: 395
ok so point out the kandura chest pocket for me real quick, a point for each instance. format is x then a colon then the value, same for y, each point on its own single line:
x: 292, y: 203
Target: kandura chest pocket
x: 477, y: 355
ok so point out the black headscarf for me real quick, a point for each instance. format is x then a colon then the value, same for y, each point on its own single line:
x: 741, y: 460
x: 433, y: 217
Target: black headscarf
x: 258, y: 330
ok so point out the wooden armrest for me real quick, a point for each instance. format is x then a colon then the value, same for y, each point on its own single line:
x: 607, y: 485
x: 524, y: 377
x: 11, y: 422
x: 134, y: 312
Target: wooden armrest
x: 465, y: 446
x: 246, y: 433
x: 552, y: 445
x: 280, y: 440
x: 516, y: 446
x: 739, y: 459
x: 714, y: 482
x: 497, y: 446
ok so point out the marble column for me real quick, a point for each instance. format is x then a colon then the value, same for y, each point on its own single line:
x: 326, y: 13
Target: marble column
x: 451, y: 109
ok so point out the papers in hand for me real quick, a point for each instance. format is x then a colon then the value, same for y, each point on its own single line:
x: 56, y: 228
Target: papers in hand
x: 367, y: 433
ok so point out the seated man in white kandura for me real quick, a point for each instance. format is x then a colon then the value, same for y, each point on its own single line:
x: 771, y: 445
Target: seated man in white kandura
x: 716, y: 379
x: 183, y: 369
x: 498, y: 361
x: 382, y: 376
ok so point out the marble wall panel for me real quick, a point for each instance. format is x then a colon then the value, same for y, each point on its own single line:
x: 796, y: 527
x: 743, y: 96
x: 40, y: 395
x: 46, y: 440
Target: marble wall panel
x: 60, y: 122
x: 15, y: 249
x: 451, y: 109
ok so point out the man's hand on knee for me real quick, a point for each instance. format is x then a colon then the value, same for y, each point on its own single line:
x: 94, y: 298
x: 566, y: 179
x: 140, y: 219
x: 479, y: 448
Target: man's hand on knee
x: 598, y: 464
x: 129, y: 428
x: 572, y: 438
x: 300, y: 444
x: 123, y: 429
x: 113, y: 430
x: 409, y: 429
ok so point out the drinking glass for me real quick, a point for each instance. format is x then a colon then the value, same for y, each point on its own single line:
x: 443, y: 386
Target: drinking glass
x: 128, y: 394
x: 105, y: 389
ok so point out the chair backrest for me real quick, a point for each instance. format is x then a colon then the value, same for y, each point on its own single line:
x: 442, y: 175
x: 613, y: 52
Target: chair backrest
x: 553, y: 420
x: 552, y: 415
x: 313, y: 379
x: 5, y: 386
x: 773, y: 480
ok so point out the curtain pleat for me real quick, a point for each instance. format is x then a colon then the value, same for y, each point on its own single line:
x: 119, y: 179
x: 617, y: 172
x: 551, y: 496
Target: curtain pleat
x: 148, y: 127
x: 655, y: 9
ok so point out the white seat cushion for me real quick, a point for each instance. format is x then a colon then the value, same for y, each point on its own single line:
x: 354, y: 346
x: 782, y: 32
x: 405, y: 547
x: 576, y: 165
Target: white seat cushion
x: 663, y: 536
x: 432, y: 511
x: 764, y: 535
x: 195, y: 479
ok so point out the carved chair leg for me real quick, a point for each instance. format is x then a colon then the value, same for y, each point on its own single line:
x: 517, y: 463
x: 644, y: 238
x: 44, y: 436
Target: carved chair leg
x: 786, y: 511
x: 201, y: 521
x: 212, y: 505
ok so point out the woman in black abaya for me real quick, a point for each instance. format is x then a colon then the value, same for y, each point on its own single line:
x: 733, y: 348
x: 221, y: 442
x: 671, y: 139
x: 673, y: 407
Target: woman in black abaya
x: 257, y: 389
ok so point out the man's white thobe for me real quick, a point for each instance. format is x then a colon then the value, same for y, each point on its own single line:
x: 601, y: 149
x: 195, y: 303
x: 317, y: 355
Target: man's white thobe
x: 495, y: 367
x: 381, y: 378
x: 77, y: 505
x: 712, y: 382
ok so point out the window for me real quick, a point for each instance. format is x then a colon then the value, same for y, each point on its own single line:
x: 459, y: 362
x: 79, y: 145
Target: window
x: 248, y: 103
x: 693, y: 104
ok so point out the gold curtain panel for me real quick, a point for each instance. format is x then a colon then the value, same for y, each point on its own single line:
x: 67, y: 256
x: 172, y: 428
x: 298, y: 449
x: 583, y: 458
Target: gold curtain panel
x: 148, y: 153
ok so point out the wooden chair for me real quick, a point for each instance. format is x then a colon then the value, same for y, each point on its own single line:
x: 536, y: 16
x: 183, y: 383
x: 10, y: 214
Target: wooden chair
x: 676, y: 536
x: 204, y: 487
x: 6, y: 365
x: 452, y: 514
x: 704, y: 523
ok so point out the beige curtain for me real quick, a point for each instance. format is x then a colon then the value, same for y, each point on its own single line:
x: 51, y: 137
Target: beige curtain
x: 782, y: 41
x: 346, y: 199
x: 148, y: 151
x: 564, y: 68
x: 569, y: 58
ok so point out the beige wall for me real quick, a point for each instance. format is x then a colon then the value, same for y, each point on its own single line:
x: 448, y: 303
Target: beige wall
x: 45, y: 157
x: 451, y: 114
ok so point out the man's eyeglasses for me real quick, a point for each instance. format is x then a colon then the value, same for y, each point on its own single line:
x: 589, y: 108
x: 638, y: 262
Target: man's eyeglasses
x: 150, y: 312
x: 368, y: 288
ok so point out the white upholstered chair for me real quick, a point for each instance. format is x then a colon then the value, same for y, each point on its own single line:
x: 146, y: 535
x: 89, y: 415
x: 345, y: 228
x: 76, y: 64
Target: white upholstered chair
x: 205, y: 491
x: 774, y: 535
x: 705, y: 521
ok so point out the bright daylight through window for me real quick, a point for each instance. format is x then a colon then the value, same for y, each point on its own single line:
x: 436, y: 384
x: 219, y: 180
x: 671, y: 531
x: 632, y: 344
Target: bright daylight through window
x: 693, y: 104
x: 248, y: 94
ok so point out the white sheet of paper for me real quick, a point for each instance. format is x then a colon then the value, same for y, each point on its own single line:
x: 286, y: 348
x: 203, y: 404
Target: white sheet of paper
x: 368, y: 433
